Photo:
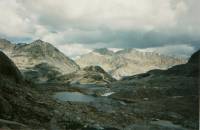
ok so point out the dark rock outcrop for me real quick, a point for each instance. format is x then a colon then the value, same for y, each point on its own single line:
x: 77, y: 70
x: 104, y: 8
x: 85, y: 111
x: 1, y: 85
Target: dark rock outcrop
x: 18, y: 101
x: 8, y: 68
x: 195, y: 58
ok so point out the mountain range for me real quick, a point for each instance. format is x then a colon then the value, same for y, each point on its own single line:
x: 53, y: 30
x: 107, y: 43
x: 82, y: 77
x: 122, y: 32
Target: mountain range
x: 36, y: 56
x: 41, y: 61
x: 127, y: 62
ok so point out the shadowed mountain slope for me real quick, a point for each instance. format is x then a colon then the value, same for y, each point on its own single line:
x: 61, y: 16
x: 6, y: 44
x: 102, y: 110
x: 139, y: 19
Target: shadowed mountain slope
x: 18, y: 101
x: 8, y: 68
x: 170, y: 94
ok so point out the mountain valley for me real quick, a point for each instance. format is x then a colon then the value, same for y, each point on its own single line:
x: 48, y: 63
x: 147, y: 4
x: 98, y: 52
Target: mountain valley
x: 42, y: 89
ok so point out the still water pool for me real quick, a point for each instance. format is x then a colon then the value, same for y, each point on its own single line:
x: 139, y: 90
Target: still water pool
x: 73, y: 97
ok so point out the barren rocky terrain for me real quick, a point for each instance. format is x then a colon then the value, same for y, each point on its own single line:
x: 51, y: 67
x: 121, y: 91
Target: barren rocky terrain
x: 90, y: 99
x: 36, y: 56
x: 127, y: 62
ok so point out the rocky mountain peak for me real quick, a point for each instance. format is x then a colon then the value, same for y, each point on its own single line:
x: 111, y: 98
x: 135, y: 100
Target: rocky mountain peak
x: 6, y: 45
x: 38, y: 49
x: 41, y: 44
x: 38, y: 41
x: 28, y: 56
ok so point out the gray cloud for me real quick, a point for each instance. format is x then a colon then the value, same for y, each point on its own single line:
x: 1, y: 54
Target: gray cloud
x: 179, y: 50
x: 102, y: 23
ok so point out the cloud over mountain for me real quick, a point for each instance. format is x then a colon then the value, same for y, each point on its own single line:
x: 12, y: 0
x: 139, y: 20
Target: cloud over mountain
x: 102, y: 23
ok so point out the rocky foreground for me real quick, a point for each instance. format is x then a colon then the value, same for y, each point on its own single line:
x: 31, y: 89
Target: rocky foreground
x: 92, y: 100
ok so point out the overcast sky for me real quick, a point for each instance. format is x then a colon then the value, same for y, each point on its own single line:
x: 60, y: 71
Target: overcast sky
x: 77, y: 26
